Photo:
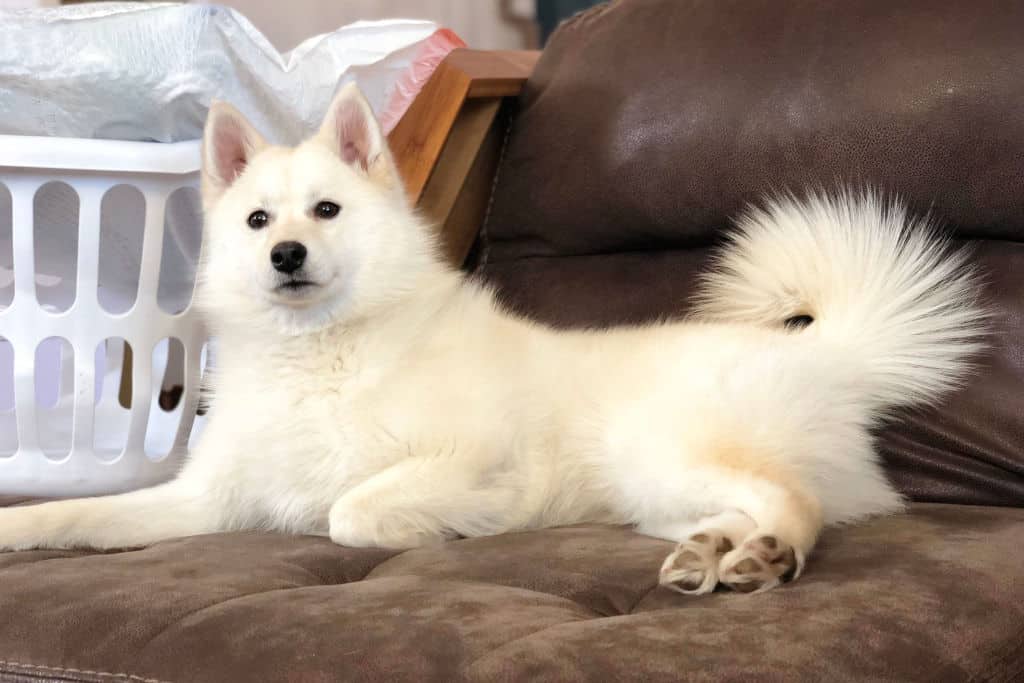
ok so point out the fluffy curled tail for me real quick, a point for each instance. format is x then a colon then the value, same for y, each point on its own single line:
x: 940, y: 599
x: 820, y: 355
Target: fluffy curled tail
x: 902, y: 304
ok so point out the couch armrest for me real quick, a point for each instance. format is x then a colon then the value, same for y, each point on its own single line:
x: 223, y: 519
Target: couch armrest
x: 448, y: 143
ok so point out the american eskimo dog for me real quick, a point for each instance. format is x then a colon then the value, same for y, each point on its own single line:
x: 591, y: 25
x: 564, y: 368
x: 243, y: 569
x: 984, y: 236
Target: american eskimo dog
x: 367, y: 391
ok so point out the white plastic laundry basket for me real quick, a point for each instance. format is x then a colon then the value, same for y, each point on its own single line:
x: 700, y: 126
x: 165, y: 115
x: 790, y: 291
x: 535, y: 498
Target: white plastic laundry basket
x: 98, y: 246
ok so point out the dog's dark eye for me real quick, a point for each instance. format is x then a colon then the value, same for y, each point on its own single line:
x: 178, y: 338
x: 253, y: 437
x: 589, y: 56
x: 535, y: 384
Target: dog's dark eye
x: 326, y: 210
x: 258, y: 219
x: 798, y: 322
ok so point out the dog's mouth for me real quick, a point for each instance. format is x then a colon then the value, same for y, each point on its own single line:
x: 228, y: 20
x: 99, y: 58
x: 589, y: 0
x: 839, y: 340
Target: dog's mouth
x: 296, y: 285
x: 295, y: 290
x: 299, y: 289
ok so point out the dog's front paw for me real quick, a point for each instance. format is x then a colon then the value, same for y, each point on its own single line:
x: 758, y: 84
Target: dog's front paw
x: 353, y: 533
x: 761, y: 562
x: 355, y: 527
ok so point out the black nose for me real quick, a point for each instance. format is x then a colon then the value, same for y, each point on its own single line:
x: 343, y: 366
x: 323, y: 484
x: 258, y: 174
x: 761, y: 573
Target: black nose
x: 288, y: 257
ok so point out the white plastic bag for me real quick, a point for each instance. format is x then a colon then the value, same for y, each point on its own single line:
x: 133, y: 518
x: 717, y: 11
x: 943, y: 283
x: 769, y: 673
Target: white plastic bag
x: 134, y: 71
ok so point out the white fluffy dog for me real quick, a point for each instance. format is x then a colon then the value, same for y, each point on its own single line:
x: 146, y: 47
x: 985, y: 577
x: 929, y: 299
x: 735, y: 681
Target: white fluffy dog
x: 368, y: 391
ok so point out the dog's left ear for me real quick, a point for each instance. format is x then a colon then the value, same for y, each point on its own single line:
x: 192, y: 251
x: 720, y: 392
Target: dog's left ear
x: 351, y: 131
x: 229, y: 144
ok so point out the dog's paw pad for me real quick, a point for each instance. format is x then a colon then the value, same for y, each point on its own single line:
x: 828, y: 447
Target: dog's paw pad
x: 759, y: 564
x: 692, y: 568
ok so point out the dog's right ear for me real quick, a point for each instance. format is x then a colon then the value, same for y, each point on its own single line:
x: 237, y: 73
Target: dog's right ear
x: 351, y: 131
x: 229, y: 143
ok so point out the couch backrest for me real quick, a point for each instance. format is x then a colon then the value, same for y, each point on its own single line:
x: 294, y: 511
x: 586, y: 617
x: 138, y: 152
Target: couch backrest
x: 649, y: 124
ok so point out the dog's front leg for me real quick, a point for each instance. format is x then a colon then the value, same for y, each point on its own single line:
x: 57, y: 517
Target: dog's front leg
x: 424, y: 500
x: 127, y: 520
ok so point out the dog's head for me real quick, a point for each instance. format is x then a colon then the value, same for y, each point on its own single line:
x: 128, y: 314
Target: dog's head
x: 300, y: 238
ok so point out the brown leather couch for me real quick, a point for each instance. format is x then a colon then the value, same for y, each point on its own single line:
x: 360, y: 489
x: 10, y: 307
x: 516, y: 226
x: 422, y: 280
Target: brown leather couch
x: 646, y: 125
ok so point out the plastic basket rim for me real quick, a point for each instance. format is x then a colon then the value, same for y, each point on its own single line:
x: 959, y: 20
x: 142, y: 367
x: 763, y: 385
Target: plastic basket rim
x: 87, y: 154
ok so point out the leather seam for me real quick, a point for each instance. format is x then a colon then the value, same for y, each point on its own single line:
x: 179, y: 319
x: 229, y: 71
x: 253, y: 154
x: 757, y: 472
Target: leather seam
x: 584, y: 14
x: 709, y: 246
x: 101, y: 674
x: 485, y: 244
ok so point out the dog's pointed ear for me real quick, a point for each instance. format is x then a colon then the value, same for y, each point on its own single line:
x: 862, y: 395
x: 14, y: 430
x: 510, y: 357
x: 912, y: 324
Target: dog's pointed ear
x: 352, y: 132
x: 229, y: 144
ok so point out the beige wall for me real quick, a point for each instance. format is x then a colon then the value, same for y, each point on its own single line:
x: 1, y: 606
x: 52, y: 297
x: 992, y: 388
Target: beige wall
x: 485, y: 24
x: 27, y: 4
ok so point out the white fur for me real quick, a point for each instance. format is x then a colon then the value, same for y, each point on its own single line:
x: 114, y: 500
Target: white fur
x: 396, y: 404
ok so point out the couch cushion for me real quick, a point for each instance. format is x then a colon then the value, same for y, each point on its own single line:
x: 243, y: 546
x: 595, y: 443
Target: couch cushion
x: 648, y: 124
x: 934, y: 595
x: 651, y: 123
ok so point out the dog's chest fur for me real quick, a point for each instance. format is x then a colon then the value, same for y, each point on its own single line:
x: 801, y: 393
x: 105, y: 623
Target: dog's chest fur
x: 313, y: 418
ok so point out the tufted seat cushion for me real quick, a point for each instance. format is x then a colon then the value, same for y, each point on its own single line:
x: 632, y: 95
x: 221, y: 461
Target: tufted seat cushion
x: 883, y: 601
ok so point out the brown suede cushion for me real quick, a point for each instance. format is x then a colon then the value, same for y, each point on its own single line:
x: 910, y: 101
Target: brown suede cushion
x: 934, y: 595
x: 648, y: 125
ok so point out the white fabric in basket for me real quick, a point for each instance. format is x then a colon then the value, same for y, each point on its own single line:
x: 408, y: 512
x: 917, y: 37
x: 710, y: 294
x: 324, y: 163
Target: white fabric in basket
x: 135, y: 71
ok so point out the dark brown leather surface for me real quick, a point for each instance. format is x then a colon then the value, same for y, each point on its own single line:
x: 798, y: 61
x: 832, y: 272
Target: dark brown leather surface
x: 649, y: 124
x: 929, y: 596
